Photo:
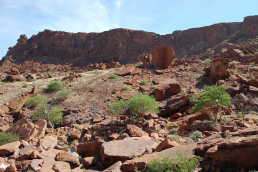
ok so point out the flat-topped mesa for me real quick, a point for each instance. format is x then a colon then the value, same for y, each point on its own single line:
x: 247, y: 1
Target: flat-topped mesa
x: 121, y: 45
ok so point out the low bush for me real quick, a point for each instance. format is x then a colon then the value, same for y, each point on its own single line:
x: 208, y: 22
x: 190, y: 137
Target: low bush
x: 64, y: 93
x: 137, y: 64
x: 54, y: 86
x: 50, y: 68
x: 144, y: 82
x: 252, y: 63
x: 34, y: 101
x: 174, y: 137
x: 113, y: 76
x: 125, y: 88
x: 8, y: 138
x: 207, y: 60
x: 25, y: 84
x: 195, y: 135
x: 182, y: 162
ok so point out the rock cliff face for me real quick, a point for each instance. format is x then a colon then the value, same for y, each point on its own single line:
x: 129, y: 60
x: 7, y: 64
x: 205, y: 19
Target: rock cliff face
x: 122, y: 45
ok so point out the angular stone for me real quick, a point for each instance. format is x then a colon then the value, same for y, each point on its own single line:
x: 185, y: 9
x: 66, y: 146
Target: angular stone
x: 75, y: 134
x: 166, y: 144
x: 162, y: 56
x: 97, y: 118
x: 122, y: 150
x: 253, y: 82
x: 14, y: 71
x: 9, y: 148
x: 89, y: 148
x: 89, y: 161
x: 145, y: 88
x: 114, y: 168
x: 126, y: 95
x: 61, y: 166
x: 253, y: 90
x: 36, y: 164
x: 167, y: 88
x: 135, y: 131
x: 136, y: 71
x: 67, y: 157
x: 126, y: 71
x: 48, y: 142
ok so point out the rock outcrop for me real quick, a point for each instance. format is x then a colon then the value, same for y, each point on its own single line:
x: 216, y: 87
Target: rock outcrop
x: 122, y: 45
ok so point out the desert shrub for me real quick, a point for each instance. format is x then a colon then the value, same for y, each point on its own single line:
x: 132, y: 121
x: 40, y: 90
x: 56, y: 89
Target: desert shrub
x: 174, y: 137
x: 212, y: 52
x: 140, y: 104
x: 253, y: 112
x: 8, y: 138
x: 137, y: 64
x: 208, y: 60
x: 125, y: 88
x: 195, y: 135
x: 215, y: 125
x: 224, y: 49
x: 44, y: 110
x: 213, y: 99
x: 181, y: 162
x: 255, y: 120
x: 144, y: 82
x: 25, y: 84
x: 96, y: 69
x: 252, y: 63
x: 113, y: 76
x: 224, y: 118
x: 64, y: 93
x: 34, y: 101
x: 54, y: 86
x: 188, y: 142
x: 2, y: 83
x: 208, y: 49
x: 239, y: 114
x: 49, y: 68
x: 119, y: 107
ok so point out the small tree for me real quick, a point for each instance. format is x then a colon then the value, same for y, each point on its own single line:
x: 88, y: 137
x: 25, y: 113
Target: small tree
x: 212, y: 100
x: 44, y: 110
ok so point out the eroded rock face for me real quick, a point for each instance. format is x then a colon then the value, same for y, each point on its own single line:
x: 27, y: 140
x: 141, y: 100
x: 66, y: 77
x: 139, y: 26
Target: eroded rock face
x: 233, y: 153
x: 219, y: 68
x: 122, y: 150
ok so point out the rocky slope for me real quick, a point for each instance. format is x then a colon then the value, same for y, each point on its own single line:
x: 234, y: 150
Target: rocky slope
x: 122, y: 45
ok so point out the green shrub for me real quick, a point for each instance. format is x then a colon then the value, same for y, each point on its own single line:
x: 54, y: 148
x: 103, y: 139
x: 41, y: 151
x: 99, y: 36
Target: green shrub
x: 195, y: 135
x: 174, y: 137
x: 25, y: 84
x: 212, y: 52
x: 224, y: 49
x: 253, y: 112
x: 137, y: 105
x: 125, y: 88
x: 8, y: 138
x: 113, y: 76
x: 208, y: 60
x: 64, y: 93
x: 208, y: 49
x: 144, y: 82
x: 56, y: 85
x: 212, y: 100
x: 119, y: 107
x: 252, y: 63
x: 96, y: 69
x: 239, y: 114
x: 2, y: 83
x: 182, y: 162
x: 188, y: 142
x: 49, y: 68
x: 34, y: 101
x: 140, y: 104
x: 256, y: 120
x: 224, y: 118
x: 137, y: 64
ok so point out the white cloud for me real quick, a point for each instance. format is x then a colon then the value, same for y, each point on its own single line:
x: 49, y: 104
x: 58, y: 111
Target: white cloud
x: 118, y: 3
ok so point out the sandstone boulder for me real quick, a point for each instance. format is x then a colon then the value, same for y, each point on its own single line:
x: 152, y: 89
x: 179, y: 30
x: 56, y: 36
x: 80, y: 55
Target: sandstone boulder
x: 89, y: 148
x: 253, y: 82
x: 219, y: 67
x: 27, y: 130
x: 122, y: 150
x: 167, y: 88
x: 126, y: 71
x: 67, y: 157
x: 9, y: 148
x: 48, y: 142
x: 12, y: 78
x: 14, y: 71
x: 114, y: 168
x: 135, y: 131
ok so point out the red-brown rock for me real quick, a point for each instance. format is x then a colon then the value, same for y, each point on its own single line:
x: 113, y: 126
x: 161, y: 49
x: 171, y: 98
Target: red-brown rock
x: 135, y: 131
x: 253, y: 82
x: 167, y: 88
x: 14, y: 71
x: 126, y: 71
x: 136, y: 71
x: 89, y: 148
x: 9, y: 148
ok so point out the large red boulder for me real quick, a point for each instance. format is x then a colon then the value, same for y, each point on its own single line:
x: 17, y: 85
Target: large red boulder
x: 126, y: 71
x: 167, y: 88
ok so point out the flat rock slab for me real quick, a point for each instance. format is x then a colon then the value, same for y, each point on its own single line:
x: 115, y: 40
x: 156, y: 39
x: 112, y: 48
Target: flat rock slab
x: 172, y: 152
x: 9, y: 148
x: 126, y: 71
x: 122, y: 150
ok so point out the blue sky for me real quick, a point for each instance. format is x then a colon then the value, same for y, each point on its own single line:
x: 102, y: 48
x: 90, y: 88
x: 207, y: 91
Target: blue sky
x: 160, y: 16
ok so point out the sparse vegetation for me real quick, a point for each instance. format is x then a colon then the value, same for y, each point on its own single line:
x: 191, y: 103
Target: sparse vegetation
x: 195, y: 135
x: 212, y: 52
x: 181, y: 162
x: 144, y: 82
x: 64, y: 93
x: 2, y: 83
x: 208, y: 60
x: 256, y: 120
x: 224, y: 49
x: 137, y: 64
x: 25, y: 85
x: 44, y: 110
x: 253, y: 112
x: 50, y: 68
x: 8, y: 138
x: 212, y: 100
x: 125, y: 88
x: 174, y: 137
x: 113, y: 76
x: 138, y: 105
x: 252, y: 63
x: 96, y: 69
x: 54, y: 86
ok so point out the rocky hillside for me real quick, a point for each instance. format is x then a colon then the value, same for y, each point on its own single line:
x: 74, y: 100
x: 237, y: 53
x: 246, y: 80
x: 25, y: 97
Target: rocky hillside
x: 122, y: 45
